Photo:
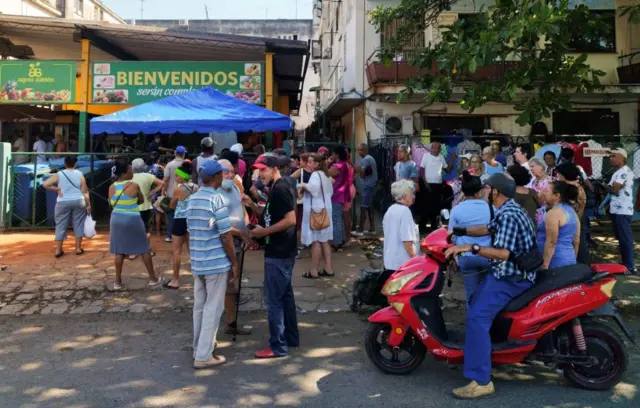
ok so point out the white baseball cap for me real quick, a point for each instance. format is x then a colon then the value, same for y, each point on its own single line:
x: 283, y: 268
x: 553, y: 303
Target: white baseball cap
x: 619, y: 151
x: 237, y: 148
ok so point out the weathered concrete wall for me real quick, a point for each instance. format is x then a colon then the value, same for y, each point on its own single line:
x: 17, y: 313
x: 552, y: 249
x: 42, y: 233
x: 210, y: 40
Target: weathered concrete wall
x: 257, y: 28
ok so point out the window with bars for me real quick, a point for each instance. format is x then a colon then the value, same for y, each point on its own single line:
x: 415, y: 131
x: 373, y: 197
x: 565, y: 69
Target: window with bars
x: 410, y: 48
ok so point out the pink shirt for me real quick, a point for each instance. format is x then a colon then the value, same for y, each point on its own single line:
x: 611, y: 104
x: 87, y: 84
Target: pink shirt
x: 341, y: 193
x: 242, y: 168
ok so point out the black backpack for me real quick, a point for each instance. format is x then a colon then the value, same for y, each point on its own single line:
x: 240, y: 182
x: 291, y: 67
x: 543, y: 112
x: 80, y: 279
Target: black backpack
x: 367, y: 287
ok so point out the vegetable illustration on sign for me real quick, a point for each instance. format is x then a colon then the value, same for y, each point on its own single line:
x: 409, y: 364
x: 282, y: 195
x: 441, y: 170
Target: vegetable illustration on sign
x: 39, y: 81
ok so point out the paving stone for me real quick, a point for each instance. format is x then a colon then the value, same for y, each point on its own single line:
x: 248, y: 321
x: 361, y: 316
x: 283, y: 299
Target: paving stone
x: 57, y: 285
x: 12, y: 309
x: 84, y: 283
x: 33, y: 309
x: 26, y: 296
x: 118, y: 309
x: 138, y: 308
x: 56, y: 309
x: 10, y: 287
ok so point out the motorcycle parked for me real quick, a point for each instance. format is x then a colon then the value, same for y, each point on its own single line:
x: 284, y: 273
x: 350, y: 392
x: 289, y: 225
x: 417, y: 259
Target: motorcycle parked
x: 560, y: 321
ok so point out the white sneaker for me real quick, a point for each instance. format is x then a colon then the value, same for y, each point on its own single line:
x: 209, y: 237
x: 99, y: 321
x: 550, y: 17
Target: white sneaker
x: 357, y: 234
x: 167, y: 240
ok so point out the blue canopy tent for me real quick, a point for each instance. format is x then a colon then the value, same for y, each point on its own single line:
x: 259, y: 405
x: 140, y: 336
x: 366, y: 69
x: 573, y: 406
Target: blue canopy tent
x: 203, y: 111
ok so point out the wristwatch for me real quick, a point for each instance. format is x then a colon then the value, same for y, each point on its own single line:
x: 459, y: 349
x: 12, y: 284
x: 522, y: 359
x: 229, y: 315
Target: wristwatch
x: 475, y: 249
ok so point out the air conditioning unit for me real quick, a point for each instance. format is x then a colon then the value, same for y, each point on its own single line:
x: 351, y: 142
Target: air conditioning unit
x: 396, y: 125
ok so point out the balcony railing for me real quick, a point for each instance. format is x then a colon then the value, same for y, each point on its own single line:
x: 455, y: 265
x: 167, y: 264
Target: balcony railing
x: 399, y: 71
x: 629, y: 69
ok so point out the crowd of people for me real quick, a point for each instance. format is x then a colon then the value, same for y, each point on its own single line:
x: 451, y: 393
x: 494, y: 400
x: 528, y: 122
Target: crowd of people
x: 508, y: 224
x: 217, y: 209
x: 556, y: 194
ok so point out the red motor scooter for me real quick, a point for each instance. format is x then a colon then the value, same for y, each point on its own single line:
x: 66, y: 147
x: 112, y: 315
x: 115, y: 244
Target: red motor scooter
x: 559, y: 321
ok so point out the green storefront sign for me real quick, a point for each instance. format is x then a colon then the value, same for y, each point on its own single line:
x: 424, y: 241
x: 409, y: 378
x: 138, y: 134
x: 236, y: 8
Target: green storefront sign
x: 139, y: 82
x: 32, y: 82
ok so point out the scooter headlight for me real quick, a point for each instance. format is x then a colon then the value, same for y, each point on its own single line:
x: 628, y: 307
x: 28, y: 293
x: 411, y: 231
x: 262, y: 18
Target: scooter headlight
x: 393, y: 286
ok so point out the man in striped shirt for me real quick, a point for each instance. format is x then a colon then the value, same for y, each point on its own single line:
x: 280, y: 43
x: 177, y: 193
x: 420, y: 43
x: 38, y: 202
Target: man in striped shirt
x: 213, y: 256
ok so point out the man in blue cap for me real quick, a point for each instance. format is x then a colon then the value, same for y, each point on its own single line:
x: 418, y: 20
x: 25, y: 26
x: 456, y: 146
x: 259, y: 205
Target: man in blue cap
x: 170, y: 183
x: 513, y: 239
x: 213, y: 262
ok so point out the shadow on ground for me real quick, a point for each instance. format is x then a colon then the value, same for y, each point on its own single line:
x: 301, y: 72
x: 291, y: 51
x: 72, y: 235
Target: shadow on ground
x: 126, y: 360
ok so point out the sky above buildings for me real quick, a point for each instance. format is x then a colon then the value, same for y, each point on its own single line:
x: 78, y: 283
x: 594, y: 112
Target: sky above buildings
x: 218, y: 9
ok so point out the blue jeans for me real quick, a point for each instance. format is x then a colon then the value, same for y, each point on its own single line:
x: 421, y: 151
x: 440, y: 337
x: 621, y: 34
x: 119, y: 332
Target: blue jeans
x: 470, y: 266
x: 170, y: 214
x: 281, y: 305
x: 492, y: 296
x: 622, y: 231
x: 367, y: 196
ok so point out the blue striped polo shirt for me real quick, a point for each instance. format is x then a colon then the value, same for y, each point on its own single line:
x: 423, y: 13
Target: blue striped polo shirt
x: 207, y: 219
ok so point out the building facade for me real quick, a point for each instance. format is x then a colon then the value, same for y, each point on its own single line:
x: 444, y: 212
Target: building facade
x: 71, y: 9
x: 284, y: 29
x: 357, y: 93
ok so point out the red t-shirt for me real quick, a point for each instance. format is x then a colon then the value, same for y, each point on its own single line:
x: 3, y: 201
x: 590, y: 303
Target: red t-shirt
x: 580, y: 160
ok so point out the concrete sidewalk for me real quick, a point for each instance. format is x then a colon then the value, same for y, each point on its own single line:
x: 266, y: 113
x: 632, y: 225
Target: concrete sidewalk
x: 38, y: 283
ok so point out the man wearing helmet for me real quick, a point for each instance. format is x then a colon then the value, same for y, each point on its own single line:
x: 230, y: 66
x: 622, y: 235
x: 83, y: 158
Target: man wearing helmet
x: 513, y: 236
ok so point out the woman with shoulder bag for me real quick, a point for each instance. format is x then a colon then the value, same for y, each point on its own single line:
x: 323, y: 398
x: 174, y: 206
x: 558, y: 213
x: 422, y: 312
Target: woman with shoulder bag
x: 72, y: 204
x: 317, y: 226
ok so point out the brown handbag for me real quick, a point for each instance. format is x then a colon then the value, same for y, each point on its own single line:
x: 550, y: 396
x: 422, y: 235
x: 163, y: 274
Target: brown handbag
x: 319, y: 220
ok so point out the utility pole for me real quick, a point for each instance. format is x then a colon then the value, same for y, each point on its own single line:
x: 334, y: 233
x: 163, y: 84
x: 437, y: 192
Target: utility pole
x: 206, y: 12
x: 141, y: 9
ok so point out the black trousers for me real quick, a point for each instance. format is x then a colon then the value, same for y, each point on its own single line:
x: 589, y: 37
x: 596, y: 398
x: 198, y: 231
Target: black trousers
x: 432, y: 205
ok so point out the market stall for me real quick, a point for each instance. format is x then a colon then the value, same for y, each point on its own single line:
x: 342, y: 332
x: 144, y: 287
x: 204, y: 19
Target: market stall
x: 203, y: 111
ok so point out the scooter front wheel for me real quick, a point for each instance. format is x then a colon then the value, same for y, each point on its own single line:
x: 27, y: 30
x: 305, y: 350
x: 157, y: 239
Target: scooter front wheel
x: 399, y: 360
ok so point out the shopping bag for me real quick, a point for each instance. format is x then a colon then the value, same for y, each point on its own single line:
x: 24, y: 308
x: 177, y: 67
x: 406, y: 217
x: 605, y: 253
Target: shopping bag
x: 89, y: 227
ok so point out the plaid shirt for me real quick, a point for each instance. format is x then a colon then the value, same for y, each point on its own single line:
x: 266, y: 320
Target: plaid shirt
x: 513, y: 230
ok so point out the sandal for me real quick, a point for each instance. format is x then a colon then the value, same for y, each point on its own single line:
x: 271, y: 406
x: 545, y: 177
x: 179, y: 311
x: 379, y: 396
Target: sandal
x: 156, y: 283
x: 80, y: 252
x: 59, y: 254
x: 117, y: 286
x: 323, y: 273
x: 308, y: 275
x: 167, y: 286
x: 132, y: 257
x: 152, y: 253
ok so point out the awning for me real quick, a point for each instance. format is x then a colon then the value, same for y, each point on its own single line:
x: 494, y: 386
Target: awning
x: 55, y: 38
x: 203, y: 111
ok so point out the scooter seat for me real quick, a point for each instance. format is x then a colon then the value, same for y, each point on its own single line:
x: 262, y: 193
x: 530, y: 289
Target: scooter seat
x: 549, y: 280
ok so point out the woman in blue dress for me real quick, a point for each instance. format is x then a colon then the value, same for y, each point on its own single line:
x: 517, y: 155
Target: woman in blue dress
x: 559, y: 231
x: 473, y: 210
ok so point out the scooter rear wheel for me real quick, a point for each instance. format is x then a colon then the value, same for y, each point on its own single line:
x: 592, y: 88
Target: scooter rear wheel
x: 387, y: 358
x: 607, y: 346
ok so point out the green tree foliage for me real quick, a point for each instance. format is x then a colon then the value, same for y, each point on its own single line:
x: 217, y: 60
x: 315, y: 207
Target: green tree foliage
x: 537, y: 33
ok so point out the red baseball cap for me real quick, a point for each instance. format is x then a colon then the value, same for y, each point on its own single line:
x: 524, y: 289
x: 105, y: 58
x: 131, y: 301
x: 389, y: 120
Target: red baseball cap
x: 265, y: 161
